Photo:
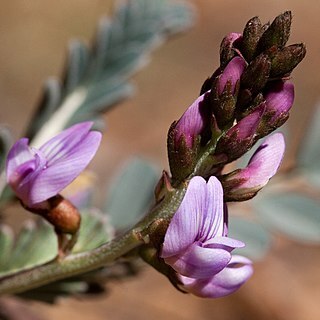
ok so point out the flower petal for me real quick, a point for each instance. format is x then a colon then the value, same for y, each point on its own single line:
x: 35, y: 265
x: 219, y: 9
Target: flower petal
x: 212, y: 217
x: 247, y: 126
x: 64, y: 170
x: 186, y: 222
x: 199, y: 262
x: 232, y: 73
x: 279, y: 98
x: 61, y: 145
x: 18, y: 154
x: 225, y: 243
x: 192, y: 122
x: 225, y: 282
x: 263, y: 164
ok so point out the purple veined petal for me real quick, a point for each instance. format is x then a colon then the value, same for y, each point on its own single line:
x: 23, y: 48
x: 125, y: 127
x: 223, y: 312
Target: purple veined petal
x: 212, y: 217
x: 247, y: 126
x: 28, y: 172
x: 264, y: 163
x: 224, y: 243
x: 184, y: 227
x: 199, y: 262
x: 224, y: 283
x: 64, y: 170
x: 279, y: 98
x: 191, y: 123
x: 232, y: 72
x: 62, y: 144
x: 18, y: 180
x: 19, y: 153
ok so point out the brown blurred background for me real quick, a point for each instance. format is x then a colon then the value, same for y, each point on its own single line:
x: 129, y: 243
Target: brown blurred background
x: 33, y: 38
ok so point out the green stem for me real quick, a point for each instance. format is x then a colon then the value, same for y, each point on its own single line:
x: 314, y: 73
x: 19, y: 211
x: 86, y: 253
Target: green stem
x: 107, y: 253
x: 71, y: 265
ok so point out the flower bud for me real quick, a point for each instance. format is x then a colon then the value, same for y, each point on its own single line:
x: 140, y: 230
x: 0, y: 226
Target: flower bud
x: 277, y: 33
x: 287, y: 59
x: 231, y: 74
x: 239, y: 139
x: 243, y: 184
x: 223, y: 96
x: 256, y: 75
x: 228, y: 48
x: 251, y: 35
x: 185, y: 136
x: 279, y: 98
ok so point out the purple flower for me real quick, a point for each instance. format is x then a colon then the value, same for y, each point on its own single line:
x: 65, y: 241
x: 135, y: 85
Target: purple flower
x: 261, y: 168
x: 192, y: 122
x: 279, y: 99
x: 196, y: 245
x: 239, y: 138
x: 231, y: 73
x: 39, y: 174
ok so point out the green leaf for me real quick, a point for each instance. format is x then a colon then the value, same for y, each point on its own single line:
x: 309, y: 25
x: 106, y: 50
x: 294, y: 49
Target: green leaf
x: 97, y: 78
x: 6, y: 243
x: 256, y: 238
x: 293, y: 214
x: 95, y: 230
x: 76, y: 66
x: 131, y: 194
x: 35, y: 244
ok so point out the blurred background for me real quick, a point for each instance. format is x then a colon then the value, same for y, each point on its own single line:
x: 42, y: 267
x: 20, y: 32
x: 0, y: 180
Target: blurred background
x: 33, y: 40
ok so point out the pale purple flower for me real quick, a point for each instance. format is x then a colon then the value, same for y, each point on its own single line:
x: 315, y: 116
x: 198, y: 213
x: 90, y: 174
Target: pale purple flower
x: 247, y: 126
x: 36, y: 175
x: 232, y: 73
x: 196, y: 245
x: 279, y: 98
x: 239, y: 138
x: 192, y: 122
x: 262, y: 166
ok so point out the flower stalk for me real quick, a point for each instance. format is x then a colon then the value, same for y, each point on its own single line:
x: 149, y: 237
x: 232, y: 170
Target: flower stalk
x: 108, y: 253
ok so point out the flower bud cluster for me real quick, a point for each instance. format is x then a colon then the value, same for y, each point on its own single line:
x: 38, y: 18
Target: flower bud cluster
x: 244, y: 100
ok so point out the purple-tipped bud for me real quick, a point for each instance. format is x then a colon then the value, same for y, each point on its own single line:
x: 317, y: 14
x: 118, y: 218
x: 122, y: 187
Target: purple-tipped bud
x: 185, y: 135
x: 231, y: 74
x: 279, y: 98
x: 223, y: 96
x: 191, y: 124
x: 243, y: 184
x: 228, y: 47
x: 239, y: 139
